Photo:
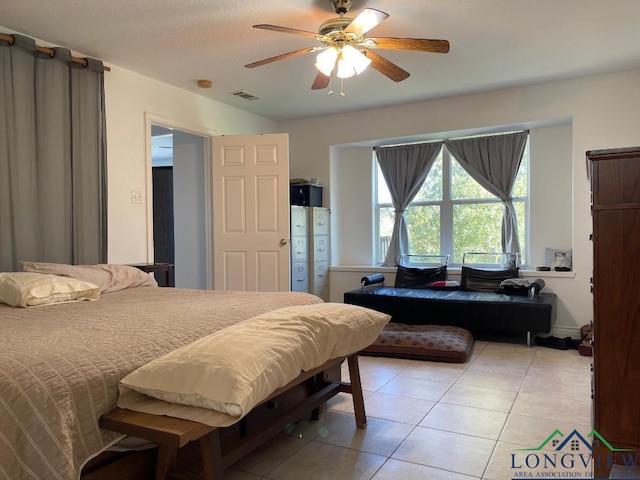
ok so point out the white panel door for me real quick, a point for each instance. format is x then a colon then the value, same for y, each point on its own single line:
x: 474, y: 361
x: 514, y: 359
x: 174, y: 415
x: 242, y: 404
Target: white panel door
x: 251, y: 212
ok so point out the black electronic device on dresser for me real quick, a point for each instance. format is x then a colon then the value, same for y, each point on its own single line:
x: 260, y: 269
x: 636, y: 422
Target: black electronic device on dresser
x: 615, y: 212
x: 306, y: 194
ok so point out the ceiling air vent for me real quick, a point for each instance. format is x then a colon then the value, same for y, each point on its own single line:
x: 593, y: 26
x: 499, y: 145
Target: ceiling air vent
x: 245, y: 95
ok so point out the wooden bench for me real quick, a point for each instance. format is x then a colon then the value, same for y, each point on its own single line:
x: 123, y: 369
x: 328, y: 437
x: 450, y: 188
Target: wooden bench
x: 173, y: 434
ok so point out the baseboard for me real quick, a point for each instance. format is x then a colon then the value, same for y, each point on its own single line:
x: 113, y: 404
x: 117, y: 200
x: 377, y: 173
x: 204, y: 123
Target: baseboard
x: 562, y: 332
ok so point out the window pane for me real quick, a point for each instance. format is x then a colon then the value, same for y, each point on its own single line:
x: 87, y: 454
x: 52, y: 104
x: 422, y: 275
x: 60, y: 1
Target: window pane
x: 463, y: 187
x: 476, y: 228
x: 423, y: 225
x: 385, y: 228
x: 520, y: 212
x: 520, y: 186
x: 431, y: 190
x: 383, y: 191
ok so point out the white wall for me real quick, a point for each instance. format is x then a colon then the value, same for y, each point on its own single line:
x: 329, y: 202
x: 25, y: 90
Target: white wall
x: 351, y: 206
x: 604, y: 112
x: 550, y: 167
x: 550, y: 177
x: 128, y: 97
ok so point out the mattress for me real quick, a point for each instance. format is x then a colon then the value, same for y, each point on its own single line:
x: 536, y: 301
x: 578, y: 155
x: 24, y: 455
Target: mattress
x: 60, y: 365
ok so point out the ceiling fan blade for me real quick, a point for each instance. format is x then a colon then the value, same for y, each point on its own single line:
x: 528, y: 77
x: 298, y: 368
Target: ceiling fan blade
x: 365, y: 21
x: 281, y: 57
x: 295, y: 31
x: 416, y: 44
x: 387, y: 68
x: 321, y: 81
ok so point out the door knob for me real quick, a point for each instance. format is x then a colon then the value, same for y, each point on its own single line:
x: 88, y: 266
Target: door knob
x: 283, y: 242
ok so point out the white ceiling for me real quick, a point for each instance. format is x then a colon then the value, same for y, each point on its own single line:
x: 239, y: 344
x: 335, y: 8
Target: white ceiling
x: 494, y: 44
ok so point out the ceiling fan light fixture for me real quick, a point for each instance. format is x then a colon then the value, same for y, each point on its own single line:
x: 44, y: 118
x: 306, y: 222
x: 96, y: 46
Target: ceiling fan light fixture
x: 356, y: 59
x: 326, y: 61
x: 346, y: 51
x: 345, y: 69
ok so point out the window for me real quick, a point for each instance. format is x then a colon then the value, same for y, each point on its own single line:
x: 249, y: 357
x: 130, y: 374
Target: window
x: 452, y: 213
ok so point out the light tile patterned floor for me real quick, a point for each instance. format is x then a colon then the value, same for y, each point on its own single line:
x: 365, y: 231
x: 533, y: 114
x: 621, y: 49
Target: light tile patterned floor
x: 440, y: 421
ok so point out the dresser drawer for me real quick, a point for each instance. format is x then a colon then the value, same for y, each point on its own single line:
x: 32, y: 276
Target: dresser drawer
x: 300, y: 277
x: 298, y: 221
x: 322, y: 292
x: 299, y: 249
x: 320, y: 221
x: 320, y: 274
x: 321, y: 248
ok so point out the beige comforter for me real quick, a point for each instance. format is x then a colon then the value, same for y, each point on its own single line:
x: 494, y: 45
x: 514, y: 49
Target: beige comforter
x: 218, y: 379
x: 60, y: 365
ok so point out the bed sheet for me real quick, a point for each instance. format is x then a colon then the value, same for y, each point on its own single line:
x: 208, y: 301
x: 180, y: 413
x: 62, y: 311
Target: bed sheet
x: 60, y: 365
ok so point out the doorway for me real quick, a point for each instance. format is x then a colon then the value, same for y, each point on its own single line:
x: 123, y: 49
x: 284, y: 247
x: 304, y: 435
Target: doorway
x: 179, y: 203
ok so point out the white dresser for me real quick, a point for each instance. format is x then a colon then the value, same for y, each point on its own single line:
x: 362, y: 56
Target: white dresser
x: 310, y: 250
x: 319, y: 252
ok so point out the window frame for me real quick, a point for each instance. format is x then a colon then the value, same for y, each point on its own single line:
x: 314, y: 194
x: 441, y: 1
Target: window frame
x: 446, y: 205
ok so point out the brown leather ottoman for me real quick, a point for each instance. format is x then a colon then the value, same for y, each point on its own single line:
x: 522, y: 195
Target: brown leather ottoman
x: 439, y: 343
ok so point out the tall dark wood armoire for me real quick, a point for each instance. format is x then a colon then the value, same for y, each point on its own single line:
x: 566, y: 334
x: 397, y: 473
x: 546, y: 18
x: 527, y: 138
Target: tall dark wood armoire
x: 615, y: 189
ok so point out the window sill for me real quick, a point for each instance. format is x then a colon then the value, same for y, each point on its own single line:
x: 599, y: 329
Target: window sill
x: 454, y: 270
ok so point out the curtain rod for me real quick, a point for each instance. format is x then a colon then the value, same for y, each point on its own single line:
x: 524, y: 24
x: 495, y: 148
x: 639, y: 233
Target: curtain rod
x: 493, y: 134
x: 50, y: 51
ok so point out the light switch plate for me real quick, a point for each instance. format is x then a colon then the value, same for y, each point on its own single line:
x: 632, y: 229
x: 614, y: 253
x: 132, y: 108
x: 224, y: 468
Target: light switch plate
x: 136, y: 196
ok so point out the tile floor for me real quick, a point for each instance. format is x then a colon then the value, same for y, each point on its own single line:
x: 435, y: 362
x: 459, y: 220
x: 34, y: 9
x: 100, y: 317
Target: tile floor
x: 440, y: 421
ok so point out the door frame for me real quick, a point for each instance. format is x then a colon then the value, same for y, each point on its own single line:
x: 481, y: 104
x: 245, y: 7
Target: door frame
x: 208, y: 134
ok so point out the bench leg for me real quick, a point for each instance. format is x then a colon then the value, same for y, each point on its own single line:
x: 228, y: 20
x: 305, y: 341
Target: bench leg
x: 166, y: 460
x: 211, y: 456
x: 356, y: 391
x: 315, y: 414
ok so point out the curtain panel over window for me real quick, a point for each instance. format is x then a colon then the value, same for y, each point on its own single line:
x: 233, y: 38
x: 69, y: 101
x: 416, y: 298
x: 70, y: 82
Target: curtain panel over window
x: 53, y: 182
x: 405, y: 168
x: 493, y: 161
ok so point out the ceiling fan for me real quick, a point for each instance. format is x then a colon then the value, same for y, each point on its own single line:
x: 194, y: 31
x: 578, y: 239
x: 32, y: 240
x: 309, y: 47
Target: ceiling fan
x: 347, y: 51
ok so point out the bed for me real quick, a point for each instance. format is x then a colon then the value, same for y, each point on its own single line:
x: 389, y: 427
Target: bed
x: 60, y: 365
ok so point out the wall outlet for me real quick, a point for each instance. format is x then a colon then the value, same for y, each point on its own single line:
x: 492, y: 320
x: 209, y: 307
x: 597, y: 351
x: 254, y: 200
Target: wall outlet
x: 136, y: 196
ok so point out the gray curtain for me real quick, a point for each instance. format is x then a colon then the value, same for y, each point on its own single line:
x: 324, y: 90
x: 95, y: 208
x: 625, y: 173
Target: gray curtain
x: 493, y: 162
x: 53, y: 189
x: 405, y: 168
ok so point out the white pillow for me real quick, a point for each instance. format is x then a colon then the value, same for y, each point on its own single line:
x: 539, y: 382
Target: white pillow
x: 108, y: 277
x: 234, y: 369
x: 24, y: 289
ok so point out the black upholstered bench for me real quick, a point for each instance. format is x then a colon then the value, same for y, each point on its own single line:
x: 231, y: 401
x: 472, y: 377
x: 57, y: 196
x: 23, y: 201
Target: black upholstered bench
x: 471, y: 310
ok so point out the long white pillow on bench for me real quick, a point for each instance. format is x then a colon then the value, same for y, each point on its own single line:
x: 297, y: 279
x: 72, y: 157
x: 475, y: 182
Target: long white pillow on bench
x: 220, y: 378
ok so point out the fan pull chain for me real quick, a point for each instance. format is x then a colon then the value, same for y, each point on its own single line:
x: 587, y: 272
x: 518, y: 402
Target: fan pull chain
x: 330, y: 92
x: 342, y: 94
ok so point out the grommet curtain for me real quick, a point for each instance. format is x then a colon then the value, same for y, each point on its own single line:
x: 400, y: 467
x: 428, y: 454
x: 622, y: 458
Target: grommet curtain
x: 405, y: 168
x: 53, y: 182
x: 493, y: 161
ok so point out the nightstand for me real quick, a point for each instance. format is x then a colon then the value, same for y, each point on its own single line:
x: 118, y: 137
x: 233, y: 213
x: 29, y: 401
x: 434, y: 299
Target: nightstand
x: 162, y: 272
